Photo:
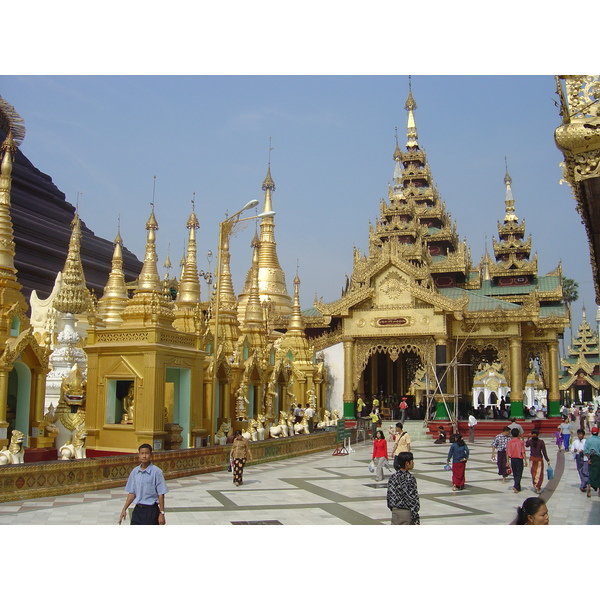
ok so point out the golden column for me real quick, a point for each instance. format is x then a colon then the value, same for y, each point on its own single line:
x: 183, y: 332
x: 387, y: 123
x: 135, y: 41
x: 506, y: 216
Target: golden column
x: 348, y: 397
x: 553, y: 383
x: 516, y: 378
x: 4, y: 372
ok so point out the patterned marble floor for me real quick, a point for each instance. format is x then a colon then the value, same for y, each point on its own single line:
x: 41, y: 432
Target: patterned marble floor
x: 323, y: 489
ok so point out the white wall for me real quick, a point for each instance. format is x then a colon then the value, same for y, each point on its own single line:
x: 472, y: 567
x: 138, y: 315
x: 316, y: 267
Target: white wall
x: 334, y: 365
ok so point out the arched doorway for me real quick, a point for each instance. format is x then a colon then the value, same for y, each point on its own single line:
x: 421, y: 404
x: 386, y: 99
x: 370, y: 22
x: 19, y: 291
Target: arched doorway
x: 19, y: 398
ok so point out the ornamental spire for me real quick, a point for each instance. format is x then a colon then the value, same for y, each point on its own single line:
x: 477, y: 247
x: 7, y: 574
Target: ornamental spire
x: 11, y: 124
x: 149, y: 279
x: 509, y: 200
x: 271, y: 278
x: 73, y: 297
x: 114, y: 299
x: 411, y: 106
x: 296, y: 322
x: 189, y: 286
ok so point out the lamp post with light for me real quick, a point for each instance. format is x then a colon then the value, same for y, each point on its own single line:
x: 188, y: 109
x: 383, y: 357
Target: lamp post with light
x: 225, y: 229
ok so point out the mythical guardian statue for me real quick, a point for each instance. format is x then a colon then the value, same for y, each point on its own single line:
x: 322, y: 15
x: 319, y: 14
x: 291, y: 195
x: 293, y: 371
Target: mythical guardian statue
x: 76, y: 449
x: 14, y: 454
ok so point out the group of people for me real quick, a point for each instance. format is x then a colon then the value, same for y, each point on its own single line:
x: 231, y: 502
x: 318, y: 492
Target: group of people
x: 586, y: 453
x: 509, y: 451
x: 585, y: 415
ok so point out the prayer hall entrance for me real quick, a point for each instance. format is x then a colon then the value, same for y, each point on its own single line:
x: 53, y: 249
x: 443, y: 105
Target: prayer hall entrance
x: 389, y: 374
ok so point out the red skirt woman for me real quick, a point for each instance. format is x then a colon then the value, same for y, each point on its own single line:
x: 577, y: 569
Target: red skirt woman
x: 458, y: 454
x: 458, y: 475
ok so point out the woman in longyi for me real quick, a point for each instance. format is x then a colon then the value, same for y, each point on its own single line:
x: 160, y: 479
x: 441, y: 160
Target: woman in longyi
x: 537, y: 455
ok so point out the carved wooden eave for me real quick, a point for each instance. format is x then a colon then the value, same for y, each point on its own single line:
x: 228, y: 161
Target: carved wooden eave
x: 513, y: 228
x: 581, y: 365
x: 565, y: 385
x: 578, y: 138
x: 310, y: 322
x: 251, y: 364
x: 343, y: 306
x: 514, y: 267
x: 222, y: 364
x: 15, y: 346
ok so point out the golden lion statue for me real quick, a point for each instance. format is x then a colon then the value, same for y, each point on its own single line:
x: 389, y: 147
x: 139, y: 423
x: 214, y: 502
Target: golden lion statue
x: 14, y: 455
x: 76, y: 449
x: 221, y: 434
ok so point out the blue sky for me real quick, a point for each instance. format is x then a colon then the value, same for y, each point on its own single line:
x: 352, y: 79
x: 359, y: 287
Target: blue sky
x: 332, y: 140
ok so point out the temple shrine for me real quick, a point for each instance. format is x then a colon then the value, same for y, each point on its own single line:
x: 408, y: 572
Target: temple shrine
x: 418, y: 318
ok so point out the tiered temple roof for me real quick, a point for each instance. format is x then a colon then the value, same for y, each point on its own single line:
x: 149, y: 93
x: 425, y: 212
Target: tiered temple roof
x: 580, y: 366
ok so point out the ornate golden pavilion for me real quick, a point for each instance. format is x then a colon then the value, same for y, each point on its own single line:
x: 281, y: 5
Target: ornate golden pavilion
x: 418, y: 318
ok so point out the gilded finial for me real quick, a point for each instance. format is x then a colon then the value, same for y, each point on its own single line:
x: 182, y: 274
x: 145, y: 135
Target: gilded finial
x: 410, y: 101
x: 411, y: 106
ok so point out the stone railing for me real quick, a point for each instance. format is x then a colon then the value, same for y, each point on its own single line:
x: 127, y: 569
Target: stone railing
x: 58, y: 477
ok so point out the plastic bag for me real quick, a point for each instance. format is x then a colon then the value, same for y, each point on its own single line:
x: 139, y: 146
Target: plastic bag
x: 550, y: 473
x: 447, y: 467
x: 372, y: 467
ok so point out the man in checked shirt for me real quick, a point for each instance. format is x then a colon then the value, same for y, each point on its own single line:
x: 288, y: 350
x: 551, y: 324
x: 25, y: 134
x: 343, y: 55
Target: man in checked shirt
x: 499, y: 452
x: 402, y: 494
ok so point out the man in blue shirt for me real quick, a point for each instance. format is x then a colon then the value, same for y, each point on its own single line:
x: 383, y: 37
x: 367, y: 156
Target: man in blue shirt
x: 146, y: 485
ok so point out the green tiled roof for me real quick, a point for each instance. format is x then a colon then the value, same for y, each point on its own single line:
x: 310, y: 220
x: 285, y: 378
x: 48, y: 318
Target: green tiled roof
x: 478, y: 301
x: 311, y: 312
x: 547, y: 283
x: 553, y: 310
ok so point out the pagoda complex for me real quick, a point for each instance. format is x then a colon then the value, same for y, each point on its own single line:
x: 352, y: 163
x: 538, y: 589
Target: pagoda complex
x: 418, y: 318
x: 163, y: 365
x: 580, y: 375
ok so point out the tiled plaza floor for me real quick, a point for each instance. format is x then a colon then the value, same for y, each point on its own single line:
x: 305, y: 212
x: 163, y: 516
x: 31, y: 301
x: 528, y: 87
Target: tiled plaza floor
x: 323, y: 489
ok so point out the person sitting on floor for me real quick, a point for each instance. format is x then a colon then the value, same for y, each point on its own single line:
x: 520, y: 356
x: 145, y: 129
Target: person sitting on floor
x: 441, y: 435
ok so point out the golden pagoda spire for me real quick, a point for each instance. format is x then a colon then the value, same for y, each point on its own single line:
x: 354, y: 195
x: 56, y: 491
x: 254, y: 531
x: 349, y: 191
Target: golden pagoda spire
x: 411, y: 106
x: 73, y: 297
x: 296, y: 322
x: 11, y: 124
x: 167, y: 264
x: 149, y: 279
x: 150, y: 303
x: 189, y: 286
x: 271, y: 278
x: 509, y: 200
x: 114, y: 299
x: 254, y: 313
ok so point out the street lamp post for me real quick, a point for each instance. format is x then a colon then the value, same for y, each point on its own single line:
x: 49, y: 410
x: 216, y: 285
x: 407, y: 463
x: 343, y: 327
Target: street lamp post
x: 225, y: 228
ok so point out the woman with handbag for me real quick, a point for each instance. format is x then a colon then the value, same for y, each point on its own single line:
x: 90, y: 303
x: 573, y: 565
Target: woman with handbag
x: 240, y: 452
x: 537, y: 454
x: 459, y: 454
x: 380, y: 452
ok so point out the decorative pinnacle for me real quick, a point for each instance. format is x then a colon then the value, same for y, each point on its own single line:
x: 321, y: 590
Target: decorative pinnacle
x: 410, y: 106
x: 410, y: 101
x: 73, y: 296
